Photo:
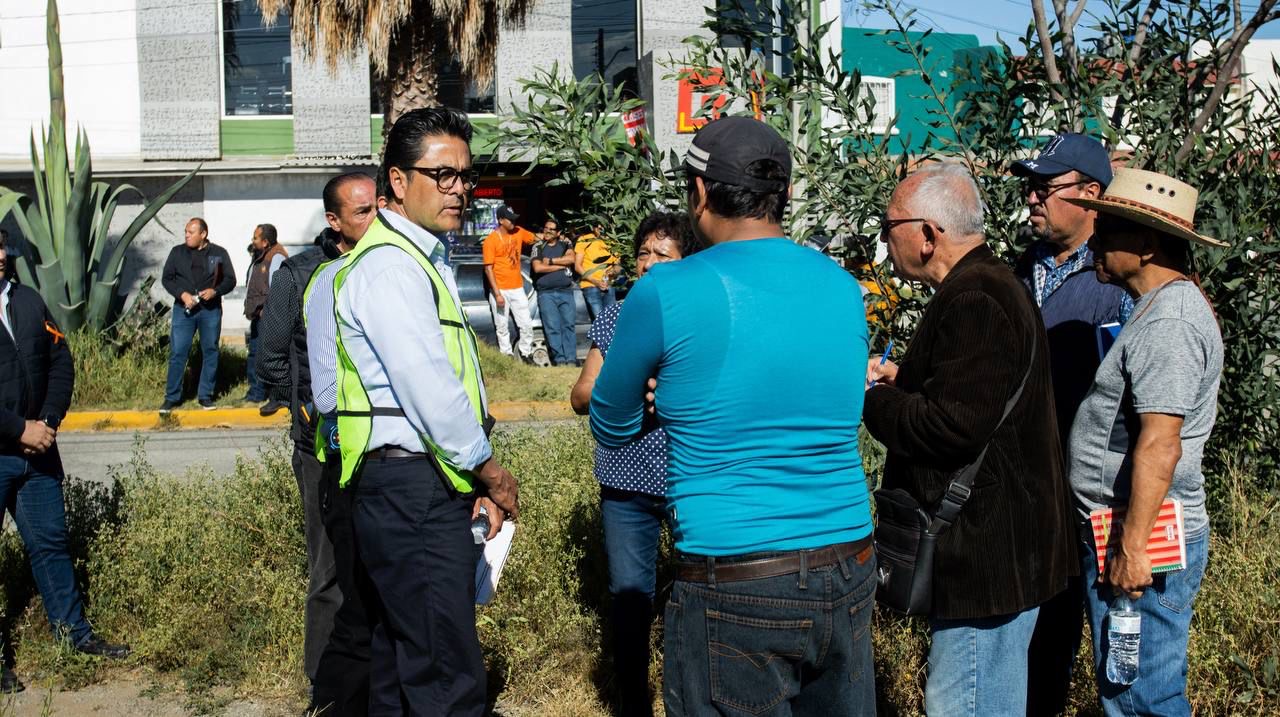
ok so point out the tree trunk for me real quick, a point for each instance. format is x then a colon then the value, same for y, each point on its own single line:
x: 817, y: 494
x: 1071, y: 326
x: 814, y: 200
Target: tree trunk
x: 1046, y: 49
x: 414, y: 60
x: 1226, y: 71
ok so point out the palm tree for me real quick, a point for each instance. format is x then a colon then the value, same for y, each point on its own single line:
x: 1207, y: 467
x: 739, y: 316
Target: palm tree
x: 408, y: 41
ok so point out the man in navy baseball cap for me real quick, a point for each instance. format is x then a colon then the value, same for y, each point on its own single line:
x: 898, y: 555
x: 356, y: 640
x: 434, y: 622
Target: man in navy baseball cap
x: 1058, y: 269
x: 1065, y: 153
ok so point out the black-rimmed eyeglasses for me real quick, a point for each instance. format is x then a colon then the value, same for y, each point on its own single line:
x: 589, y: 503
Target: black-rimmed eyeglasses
x: 447, y: 177
x: 887, y: 225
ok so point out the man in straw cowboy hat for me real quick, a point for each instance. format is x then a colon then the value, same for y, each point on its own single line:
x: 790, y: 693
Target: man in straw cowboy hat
x: 1139, y: 435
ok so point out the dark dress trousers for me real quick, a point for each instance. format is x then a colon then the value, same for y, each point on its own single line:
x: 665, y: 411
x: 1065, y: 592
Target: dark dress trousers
x: 1010, y: 549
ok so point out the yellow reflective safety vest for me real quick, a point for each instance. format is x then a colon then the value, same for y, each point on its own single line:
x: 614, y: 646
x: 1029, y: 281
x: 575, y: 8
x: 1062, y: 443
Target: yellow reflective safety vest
x: 321, y: 428
x: 355, y: 411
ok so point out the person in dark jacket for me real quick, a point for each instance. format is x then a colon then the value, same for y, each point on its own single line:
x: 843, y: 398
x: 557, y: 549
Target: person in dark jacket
x: 36, y: 380
x: 1058, y: 270
x: 336, y: 636
x: 979, y: 337
x: 198, y: 273
x: 268, y: 256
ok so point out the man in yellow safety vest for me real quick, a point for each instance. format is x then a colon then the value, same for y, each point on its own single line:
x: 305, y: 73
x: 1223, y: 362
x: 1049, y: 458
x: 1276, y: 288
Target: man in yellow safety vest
x: 412, y: 424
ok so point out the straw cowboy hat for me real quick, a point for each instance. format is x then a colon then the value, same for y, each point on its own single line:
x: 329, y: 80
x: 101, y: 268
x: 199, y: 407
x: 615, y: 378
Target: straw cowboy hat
x: 1152, y: 200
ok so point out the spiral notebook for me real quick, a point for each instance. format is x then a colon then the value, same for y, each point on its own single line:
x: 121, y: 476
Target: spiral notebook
x: 1167, y: 546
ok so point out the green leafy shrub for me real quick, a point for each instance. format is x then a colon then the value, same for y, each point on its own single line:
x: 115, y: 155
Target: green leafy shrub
x: 205, y: 576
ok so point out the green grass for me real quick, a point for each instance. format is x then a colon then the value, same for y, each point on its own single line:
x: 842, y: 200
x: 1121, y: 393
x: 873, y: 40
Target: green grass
x: 205, y: 576
x: 508, y: 379
x: 109, y: 378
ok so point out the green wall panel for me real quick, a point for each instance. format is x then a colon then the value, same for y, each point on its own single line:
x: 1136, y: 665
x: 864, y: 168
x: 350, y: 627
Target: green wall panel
x: 257, y: 137
x: 869, y: 51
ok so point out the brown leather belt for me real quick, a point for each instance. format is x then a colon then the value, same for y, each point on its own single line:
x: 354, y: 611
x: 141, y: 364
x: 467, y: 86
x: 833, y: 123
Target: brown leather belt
x: 716, y: 570
x: 385, y: 452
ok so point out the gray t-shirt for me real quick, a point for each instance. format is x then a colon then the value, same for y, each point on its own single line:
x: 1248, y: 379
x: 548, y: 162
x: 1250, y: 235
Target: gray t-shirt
x: 560, y: 279
x: 1167, y: 359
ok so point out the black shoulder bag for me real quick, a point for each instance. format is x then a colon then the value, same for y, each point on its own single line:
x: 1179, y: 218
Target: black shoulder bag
x: 906, y: 535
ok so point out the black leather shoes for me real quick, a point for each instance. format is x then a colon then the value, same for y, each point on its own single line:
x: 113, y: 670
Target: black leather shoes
x: 97, y: 646
x: 9, y: 682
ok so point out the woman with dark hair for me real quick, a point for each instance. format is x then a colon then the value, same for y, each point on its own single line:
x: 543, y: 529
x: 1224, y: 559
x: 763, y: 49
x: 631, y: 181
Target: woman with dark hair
x: 633, y: 483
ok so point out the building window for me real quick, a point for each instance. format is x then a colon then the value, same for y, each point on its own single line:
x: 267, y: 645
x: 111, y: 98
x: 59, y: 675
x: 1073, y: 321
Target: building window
x: 604, y: 42
x: 757, y: 27
x: 452, y: 91
x: 257, y: 61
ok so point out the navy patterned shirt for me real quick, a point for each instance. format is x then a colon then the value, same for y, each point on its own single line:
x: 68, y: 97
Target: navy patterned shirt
x: 639, y: 466
x: 1047, y: 275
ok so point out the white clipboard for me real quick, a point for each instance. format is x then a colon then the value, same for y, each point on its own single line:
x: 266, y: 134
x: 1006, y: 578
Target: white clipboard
x: 489, y: 566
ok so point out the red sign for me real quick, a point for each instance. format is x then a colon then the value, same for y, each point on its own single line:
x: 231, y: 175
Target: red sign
x: 633, y: 122
x: 704, y: 86
x: 697, y: 89
x: 487, y: 193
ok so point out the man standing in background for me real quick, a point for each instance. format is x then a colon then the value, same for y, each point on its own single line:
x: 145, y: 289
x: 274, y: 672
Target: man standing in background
x: 553, y: 278
x: 197, y: 274
x: 336, y: 636
x: 502, y: 249
x: 1058, y: 270
x: 597, y: 267
x: 268, y: 255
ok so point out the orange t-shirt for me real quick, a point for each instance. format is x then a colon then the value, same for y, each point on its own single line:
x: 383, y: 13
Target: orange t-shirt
x: 502, y: 251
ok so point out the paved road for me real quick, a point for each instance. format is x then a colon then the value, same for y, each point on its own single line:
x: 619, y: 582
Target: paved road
x: 90, y: 455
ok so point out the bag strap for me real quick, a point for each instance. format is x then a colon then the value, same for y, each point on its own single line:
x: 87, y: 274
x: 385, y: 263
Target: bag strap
x: 961, y: 486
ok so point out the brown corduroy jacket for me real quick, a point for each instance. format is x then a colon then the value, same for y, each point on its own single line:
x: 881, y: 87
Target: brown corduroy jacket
x: 1013, y: 545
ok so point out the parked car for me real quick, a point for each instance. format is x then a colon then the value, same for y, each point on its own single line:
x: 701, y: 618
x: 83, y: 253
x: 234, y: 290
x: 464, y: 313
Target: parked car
x: 468, y: 269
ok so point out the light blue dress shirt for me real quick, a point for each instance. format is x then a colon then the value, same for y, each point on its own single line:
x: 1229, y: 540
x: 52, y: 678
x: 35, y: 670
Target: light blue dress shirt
x: 322, y: 342
x: 387, y: 318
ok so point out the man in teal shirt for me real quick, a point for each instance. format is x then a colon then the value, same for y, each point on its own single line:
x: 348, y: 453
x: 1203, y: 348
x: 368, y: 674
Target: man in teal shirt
x: 761, y: 406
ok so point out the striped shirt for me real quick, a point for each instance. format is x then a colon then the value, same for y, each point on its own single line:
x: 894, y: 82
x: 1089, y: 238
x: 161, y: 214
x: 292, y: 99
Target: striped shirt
x: 322, y: 340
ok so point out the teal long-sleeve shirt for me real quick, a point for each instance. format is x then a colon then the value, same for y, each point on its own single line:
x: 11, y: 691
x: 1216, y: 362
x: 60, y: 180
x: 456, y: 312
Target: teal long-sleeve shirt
x: 760, y: 352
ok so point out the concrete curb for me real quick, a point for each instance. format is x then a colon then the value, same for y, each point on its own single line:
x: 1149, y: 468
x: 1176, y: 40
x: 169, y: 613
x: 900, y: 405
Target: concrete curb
x: 96, y: 421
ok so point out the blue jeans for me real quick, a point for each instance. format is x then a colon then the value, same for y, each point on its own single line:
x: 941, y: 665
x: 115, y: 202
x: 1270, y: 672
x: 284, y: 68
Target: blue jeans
x: 558, y: 314
x: 797, y: 644
x: 632, y: 526
x: 598, y: 300
x: 34, y: 498
x: 257, y: 392
x: 979, y: 666
x: 209, y: 323
x: 1166, y: 606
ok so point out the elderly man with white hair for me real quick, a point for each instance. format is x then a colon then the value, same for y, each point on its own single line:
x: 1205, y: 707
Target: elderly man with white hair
x: 968, y: 421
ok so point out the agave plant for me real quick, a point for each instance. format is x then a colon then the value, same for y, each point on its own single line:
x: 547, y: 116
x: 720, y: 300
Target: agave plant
x: 74, y: 264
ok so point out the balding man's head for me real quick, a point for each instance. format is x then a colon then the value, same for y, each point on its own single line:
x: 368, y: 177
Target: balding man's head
x: 934, y: 218
x: 945, y: 194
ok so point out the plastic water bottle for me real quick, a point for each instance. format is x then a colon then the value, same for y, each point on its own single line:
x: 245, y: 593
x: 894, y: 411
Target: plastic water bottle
x: 480, y: 527
x: 1124, y: 634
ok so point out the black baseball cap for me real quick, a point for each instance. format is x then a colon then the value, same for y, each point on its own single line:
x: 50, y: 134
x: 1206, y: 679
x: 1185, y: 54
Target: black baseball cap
x: 506, y: 212
x: 723, y: 148
x: 1064, y: 153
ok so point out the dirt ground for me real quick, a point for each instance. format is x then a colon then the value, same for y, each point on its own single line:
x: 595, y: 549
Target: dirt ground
x: 132, y: 695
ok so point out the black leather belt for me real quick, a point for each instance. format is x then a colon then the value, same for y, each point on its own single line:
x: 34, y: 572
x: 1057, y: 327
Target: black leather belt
x: 385, y: 452
x: 715, y: 570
